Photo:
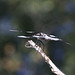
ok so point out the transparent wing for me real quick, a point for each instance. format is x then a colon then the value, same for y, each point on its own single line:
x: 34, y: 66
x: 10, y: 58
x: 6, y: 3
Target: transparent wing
x: 22, y: 31
x: 24, y: 37
x: 15, y: 31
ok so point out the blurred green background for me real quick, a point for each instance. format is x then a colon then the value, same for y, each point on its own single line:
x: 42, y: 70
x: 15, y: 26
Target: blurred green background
x: 49, y: 16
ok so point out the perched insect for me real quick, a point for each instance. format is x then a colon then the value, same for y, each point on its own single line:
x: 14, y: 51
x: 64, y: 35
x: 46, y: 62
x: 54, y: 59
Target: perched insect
x: 39, y: 36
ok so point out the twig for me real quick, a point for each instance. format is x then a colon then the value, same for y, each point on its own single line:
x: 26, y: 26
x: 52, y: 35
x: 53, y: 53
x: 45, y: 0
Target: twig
x: 53, y: 67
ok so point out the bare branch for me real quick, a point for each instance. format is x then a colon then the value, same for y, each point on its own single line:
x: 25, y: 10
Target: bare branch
x: 53, y: 67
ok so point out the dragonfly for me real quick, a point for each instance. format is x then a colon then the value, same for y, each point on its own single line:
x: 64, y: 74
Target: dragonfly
x: 39, y: 36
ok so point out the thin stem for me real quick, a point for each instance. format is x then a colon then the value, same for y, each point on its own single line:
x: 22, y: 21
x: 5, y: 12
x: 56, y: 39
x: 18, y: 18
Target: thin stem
x: 53, y: 67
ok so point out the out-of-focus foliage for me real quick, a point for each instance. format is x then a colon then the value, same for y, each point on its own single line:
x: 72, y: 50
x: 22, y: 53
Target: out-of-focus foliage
x: 49, y: 16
